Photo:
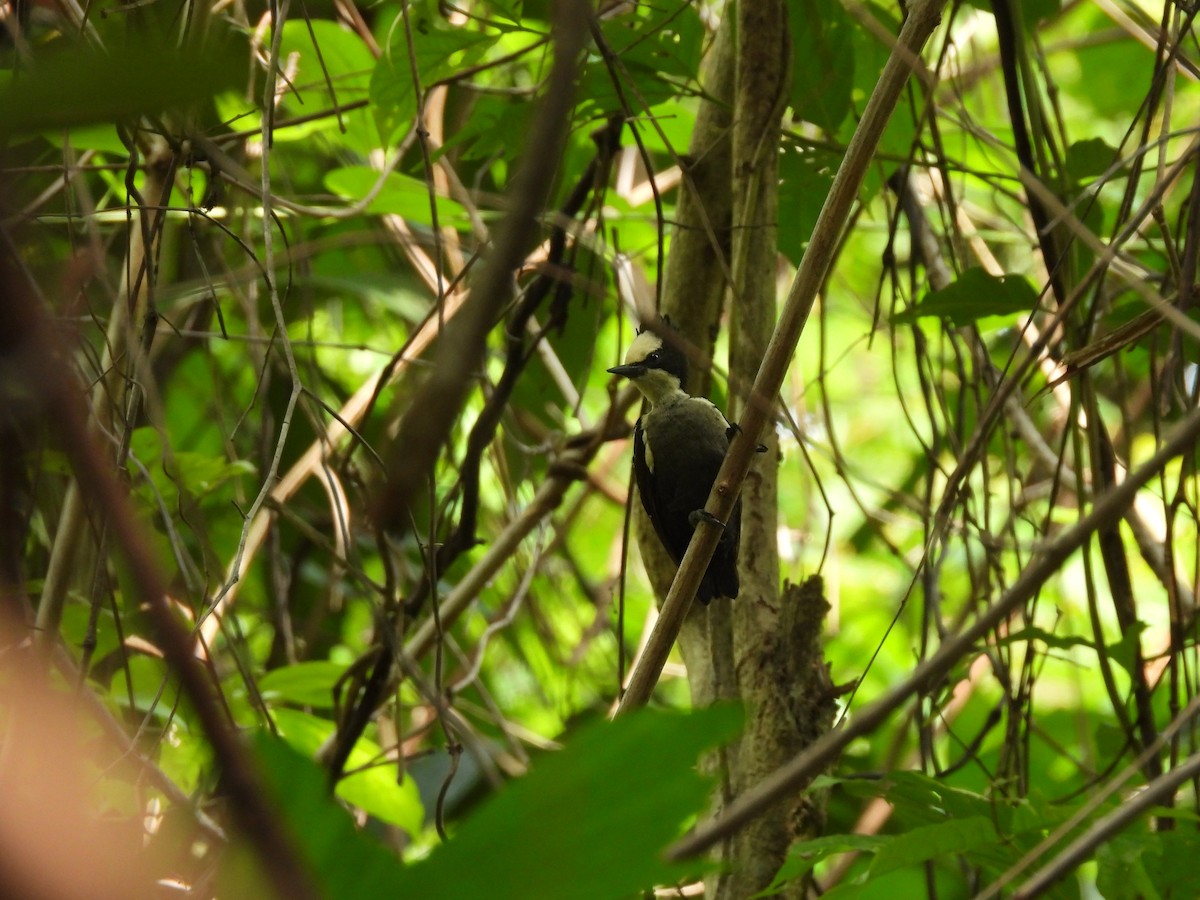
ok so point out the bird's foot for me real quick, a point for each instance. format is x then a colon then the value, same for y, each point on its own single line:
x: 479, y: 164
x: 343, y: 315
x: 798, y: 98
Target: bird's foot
x: 696, y: 516
x: 734, y: 430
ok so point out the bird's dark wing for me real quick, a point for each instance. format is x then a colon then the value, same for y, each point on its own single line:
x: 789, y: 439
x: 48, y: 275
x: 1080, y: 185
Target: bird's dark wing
x: 686, y: 454
x: 644, y: 476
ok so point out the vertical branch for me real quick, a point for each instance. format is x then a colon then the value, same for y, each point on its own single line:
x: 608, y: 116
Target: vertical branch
x: 923, y: 17
x: 695, y: 288
x: 769, y: 738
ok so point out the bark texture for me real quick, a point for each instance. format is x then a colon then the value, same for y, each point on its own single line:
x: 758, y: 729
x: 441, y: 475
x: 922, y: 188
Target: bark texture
x: 764, y: 649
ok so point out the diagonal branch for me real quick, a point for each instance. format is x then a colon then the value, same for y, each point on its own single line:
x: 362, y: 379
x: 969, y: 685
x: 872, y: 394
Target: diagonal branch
x: 1108, y: 508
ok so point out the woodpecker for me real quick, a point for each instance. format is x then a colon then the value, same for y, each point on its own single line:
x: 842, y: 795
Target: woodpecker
x: 678, y: 445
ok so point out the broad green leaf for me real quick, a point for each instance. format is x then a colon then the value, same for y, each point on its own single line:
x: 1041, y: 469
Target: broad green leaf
x: 1088, y: 159
x: 101, y: 137
x: 948, y: 838
x: 496, y: 127
x: 1103, y: 72
x: 332, y: 69
x: 974, y: 295
x: 922, y: 798
x: 400, y: 196
x: 805, y: 178
x: 1174, y: 872
x: 330, y: 54
x: 589, y: 822
x: 657, y: 39
x: 657, y: 47
x: 804, y: 856
x: 870, y: 55
x: 200, y: 474
x: 347, y: 864
x: 1125, y: 864
x: 85, y: 86
x: 306, y: 683
x: 373, y: 786
x: 437, y: 50
x: 822, y: 62
x: 1034, y: 633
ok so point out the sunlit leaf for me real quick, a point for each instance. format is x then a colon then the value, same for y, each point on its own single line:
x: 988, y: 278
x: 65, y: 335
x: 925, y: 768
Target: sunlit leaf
x: 306, y: 683
x: 400, y: 195
x: 435, y: 51
x: 372, y: 785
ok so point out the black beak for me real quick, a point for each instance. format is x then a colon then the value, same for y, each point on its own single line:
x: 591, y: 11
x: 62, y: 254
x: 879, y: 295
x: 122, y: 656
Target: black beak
x: 635, y: 371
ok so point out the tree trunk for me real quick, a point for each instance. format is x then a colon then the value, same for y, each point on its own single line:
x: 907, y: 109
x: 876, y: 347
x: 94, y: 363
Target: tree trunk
x: 763, y: 649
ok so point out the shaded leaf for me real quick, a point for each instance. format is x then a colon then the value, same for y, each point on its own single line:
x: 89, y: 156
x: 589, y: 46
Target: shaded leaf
x: 347, y: 864
x: 656, y: 46
x: 805, y: 178
x: 822, y: 62
x: 589, y: 822
x: 1089, y: 159
x: 805, y: 855
x: 948, y: 838
x: 84, y: 86
x: 974, y: 295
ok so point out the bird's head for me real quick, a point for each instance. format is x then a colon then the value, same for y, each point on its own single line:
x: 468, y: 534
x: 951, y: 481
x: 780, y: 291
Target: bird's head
x: 655, y: 364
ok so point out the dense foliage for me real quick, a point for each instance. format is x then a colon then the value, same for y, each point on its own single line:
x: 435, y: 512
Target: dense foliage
x: 393, y: 522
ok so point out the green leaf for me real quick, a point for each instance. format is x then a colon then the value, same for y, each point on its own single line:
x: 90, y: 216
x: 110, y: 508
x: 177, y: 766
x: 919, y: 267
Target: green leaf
x: 373, y: 786
x: 589, y: 822
x: 199, y: 474
x: 659, y: 39
x: 804, y: 856
x: 1089, y: 159
x: 918, y: 845
x: 400, y: 196
x: 870, y: 56
x: 974, y: 295
x: 1056, y: 641
x: 333, y: 68
x: 83, y: 86
x: 822, y: 62
x: 306, y: 683
x: 658, y: 48
x: 437, y: 50
x: 1124, y: 866
x: 805, y: 176
x: 344, y: 62
x: 348, y: 865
